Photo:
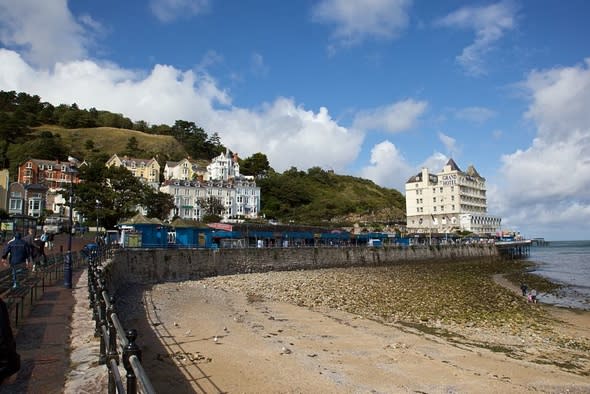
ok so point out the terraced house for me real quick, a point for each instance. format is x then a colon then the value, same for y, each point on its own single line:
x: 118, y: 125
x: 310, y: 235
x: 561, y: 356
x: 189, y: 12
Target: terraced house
x: 238, y: 194
x: 147, y: 170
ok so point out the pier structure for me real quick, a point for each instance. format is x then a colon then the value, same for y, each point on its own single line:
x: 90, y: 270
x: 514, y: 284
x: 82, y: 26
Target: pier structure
x: 514, y: 249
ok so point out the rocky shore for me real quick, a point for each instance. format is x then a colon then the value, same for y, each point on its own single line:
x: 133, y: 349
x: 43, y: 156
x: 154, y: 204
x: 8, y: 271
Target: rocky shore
x: 361, y: 329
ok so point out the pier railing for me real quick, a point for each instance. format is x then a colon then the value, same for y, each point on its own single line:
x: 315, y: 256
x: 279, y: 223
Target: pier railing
x: 115, y: 341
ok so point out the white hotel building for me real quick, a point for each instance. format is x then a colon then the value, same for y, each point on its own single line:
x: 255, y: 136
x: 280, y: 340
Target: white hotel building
x: 448, y: 201
x: 239, y: 194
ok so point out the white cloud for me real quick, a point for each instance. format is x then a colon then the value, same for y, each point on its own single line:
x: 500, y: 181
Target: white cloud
x: 286, y: 132
x: 392, y: 118
x: 43, y: 31
x: 169, y: 10
x: 435, y: 162
x: 450, y: 144
x: 475, y: 114
x: 545, y: 181
x: 356, y: 21
x: 388, y: 167
x: 490, y: 23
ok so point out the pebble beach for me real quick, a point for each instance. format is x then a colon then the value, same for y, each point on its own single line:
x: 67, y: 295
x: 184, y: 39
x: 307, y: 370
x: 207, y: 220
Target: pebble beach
x: 374, y: 329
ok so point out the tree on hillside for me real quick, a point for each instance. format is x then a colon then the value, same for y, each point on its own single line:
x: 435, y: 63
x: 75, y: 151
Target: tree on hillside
x: 114, y: 190
x: 46, y: 146
x: 256, y: 165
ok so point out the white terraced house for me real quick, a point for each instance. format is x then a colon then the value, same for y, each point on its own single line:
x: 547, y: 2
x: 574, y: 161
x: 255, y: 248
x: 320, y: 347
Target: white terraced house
x: 238, y: 194
x: 448, y: 201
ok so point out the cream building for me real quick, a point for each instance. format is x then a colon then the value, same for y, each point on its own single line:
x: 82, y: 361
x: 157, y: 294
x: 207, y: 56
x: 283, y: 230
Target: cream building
x: 147, y: 170
x: 448, y: 201
x: 185, y: 169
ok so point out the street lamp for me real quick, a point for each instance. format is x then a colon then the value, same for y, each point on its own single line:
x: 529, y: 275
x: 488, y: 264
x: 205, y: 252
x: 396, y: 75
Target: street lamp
x: 97, y: 207
x: 68, y: 260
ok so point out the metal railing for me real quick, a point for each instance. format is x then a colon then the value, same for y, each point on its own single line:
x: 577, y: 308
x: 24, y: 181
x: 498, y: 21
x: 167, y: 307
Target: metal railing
x: 115, y: 341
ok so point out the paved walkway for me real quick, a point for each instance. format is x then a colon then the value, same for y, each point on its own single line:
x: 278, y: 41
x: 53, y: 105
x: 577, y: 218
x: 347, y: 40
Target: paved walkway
x: 43, y: 337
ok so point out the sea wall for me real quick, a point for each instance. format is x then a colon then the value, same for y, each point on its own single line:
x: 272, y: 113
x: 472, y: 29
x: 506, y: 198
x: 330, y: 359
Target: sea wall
x: 147, y: 266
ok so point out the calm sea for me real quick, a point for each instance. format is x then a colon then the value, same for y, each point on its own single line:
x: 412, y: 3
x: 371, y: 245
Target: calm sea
x: 567, y: 263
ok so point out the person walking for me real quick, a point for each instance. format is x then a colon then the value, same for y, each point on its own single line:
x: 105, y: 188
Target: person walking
x: 33, y: 248
x: 524, y: 288
x: 18, y: 252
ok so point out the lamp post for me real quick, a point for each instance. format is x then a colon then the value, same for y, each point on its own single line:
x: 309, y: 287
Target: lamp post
x: 68, y: 260
x: 97, y: 206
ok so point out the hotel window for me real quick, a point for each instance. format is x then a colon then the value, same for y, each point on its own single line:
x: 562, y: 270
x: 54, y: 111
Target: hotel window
x: 452, y: 188
x: 434, y: 209
x: 433, y: 199
x: 442, y: 208
x: 441, y: 189
x: 453, y: 207
x: 434, y: 189
x: 417, y: 201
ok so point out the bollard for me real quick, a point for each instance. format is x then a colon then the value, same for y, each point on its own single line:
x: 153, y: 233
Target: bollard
x: 112, y: 354
x: 131, y: 350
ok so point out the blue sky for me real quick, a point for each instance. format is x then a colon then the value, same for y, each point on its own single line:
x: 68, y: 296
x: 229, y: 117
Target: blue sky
x: 371, y: 88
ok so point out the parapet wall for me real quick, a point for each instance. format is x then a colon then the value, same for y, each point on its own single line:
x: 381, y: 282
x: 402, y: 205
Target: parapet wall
x: 146, y: 266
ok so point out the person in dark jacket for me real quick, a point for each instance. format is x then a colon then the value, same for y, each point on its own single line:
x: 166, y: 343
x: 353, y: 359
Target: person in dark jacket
x: 18, y: 253
x: 9, y: 358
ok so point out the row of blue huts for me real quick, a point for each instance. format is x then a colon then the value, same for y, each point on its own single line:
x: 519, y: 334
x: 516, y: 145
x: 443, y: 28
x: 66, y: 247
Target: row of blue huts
x: 145, y: 232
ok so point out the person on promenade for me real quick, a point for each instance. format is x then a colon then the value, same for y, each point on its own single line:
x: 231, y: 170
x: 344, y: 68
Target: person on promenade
x: 49, y: 243
x: 524, y: 288
x: 9, y: 358
x: 19, y: 252
x: 34, y: 248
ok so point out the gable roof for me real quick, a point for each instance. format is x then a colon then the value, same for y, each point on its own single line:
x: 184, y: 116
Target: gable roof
x: 453, y: 165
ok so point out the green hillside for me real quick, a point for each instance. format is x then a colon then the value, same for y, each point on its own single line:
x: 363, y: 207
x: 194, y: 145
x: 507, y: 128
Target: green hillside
x: 112, y: 140
x: 323, y: 198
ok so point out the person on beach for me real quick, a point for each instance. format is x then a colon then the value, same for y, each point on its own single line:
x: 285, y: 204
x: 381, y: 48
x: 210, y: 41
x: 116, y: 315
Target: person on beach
x: 19, y: 252
x: 534, y: 296
x: 524, y: 288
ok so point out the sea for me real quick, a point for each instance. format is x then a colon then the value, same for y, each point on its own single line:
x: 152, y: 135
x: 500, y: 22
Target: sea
x: 568, y: 264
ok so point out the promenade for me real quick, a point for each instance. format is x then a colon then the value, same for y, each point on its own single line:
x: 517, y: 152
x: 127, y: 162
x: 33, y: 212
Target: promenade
x: 42, y: 337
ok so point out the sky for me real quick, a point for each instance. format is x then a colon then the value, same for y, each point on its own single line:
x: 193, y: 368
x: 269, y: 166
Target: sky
x: 372, y: 88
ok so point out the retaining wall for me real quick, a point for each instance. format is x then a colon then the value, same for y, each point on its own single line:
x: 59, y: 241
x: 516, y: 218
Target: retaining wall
x: 147, y: 266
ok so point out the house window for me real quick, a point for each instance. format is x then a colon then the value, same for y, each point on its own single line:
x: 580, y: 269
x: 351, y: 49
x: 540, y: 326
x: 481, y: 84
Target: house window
x: 16, y: 204
x: 29, y: 165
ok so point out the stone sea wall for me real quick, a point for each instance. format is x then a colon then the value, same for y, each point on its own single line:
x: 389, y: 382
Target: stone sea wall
x: 147, y: 266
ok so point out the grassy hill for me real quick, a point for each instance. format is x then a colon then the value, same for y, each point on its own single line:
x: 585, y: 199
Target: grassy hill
x: 322, y: 198
x: 111, y: 140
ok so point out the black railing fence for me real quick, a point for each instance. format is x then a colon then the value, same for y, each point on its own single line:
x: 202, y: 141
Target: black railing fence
x: 115, y: 341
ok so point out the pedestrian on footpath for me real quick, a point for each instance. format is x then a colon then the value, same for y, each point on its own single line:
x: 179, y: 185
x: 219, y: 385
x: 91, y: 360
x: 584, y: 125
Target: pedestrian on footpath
x: 9, y: 358
x: 18, y: 252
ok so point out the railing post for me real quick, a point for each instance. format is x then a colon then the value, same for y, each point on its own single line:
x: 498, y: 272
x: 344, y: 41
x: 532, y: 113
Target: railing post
x: 131, y: 350
x: 102, y: 358
x: 112, y: 354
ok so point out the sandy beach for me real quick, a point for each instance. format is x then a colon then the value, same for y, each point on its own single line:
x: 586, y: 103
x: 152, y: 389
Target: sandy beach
x: 357, y: 331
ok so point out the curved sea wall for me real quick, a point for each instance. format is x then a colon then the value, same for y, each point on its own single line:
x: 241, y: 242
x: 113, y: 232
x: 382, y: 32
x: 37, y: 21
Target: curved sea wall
x: 146, y: 266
